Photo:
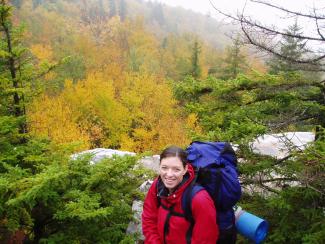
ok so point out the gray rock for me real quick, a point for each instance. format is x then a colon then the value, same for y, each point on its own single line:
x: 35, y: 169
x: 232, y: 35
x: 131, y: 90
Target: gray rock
x: 145, y: 186
x: 135, y: 227
x: 151, y: 162
x: 101, y: 153
x: 280, y: 145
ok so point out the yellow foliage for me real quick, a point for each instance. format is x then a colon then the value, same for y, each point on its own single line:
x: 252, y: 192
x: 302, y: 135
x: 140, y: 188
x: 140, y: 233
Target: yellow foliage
x: 42, y: 52
x: 53, y: 117
x: 144, y: 49
x: 192, y: 123
x: 89, y: 108
x: 95, y: 105
x: 113, y: 106
x: 155, y: 122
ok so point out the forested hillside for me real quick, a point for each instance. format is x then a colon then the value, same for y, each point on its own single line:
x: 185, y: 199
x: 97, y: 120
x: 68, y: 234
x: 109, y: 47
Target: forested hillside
x: 138, y: 76
x: 118, y: 58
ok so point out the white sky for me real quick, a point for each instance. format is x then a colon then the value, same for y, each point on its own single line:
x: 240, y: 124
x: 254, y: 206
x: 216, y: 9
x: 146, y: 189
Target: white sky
x: 264, y: 14
x: 232, y: 6
x: 204, y: 6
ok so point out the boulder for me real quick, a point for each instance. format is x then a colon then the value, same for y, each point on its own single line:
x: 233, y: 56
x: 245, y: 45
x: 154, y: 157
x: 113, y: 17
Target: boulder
x: 101, y: 153
x: 280, y: 145
x: 151, y: 162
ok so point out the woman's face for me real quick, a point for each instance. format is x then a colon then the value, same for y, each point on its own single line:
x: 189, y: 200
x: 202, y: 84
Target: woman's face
x: 172, y: 172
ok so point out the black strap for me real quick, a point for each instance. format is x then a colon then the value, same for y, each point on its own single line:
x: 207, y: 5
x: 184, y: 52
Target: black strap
x: 217, y: 189
x: 166, y: 225
x: 189, y: 232
x: 172, y: 212
x: 187, y: 208
x: 187, y: 212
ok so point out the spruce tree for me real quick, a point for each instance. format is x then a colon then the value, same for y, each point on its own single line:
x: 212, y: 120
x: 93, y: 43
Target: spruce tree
x: 196, y: 69
x: 289, y: 47
x: 13, y: 70
x: 234, y: 62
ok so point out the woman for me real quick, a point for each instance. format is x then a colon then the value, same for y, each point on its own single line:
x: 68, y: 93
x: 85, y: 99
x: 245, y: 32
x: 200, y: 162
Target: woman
x: 162, y: 220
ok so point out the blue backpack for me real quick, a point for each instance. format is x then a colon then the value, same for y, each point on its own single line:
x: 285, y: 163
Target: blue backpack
x: 215, y: 165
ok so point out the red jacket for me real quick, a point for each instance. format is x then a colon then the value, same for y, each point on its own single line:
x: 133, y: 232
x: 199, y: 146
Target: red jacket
x: 205, y: 230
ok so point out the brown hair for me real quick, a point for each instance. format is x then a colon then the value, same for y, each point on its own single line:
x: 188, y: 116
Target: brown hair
x: 174, y: 151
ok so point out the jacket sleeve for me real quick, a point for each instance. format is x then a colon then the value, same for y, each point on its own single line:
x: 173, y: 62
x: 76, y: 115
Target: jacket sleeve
x: 205, y: 230
x: 150, y: 216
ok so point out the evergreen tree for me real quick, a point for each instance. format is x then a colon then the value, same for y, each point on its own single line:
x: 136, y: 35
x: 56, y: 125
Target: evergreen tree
x: 242, y: 109
x: 289, y: 47
x: 13, y: 68
x: 233, y: 64
x: 196, y: 69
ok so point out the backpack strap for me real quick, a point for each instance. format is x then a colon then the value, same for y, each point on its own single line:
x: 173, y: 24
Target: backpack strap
x: 187, y: 207
x: 217, y: 188
x: 171, y: 213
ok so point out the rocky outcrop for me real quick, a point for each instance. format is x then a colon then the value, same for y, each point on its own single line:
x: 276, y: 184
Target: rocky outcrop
x: 135, y: 227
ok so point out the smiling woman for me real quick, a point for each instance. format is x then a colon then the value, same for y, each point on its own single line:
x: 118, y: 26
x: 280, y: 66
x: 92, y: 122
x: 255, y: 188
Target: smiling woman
x: 173, y: 167
x: 163, y: 219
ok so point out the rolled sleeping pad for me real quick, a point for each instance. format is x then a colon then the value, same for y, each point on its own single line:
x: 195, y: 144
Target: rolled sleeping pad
x: 251, y: 226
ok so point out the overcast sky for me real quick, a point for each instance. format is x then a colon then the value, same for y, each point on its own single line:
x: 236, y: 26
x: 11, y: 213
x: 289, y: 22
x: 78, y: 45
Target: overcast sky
x: 260, y: 12
x: 204, y: 6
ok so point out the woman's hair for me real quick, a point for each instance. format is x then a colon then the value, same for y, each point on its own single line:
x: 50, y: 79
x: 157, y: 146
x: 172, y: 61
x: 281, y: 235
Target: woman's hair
x: 174, y: 151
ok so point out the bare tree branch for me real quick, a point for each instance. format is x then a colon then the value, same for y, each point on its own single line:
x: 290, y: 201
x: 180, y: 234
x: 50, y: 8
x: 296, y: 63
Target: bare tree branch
x: 260, y: 181
x: 318, y: 29
x: 267, y: 39
x: 288, y: 11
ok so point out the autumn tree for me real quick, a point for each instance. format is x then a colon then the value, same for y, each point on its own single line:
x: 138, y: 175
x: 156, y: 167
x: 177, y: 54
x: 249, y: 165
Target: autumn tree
x: 95, y: 18
x: 155, y: 120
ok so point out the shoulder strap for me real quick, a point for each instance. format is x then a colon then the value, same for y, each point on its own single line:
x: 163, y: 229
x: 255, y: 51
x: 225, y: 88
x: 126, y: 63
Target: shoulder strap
x: 187, y: 198
x: 171, y: 213
x: 158, y: 198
